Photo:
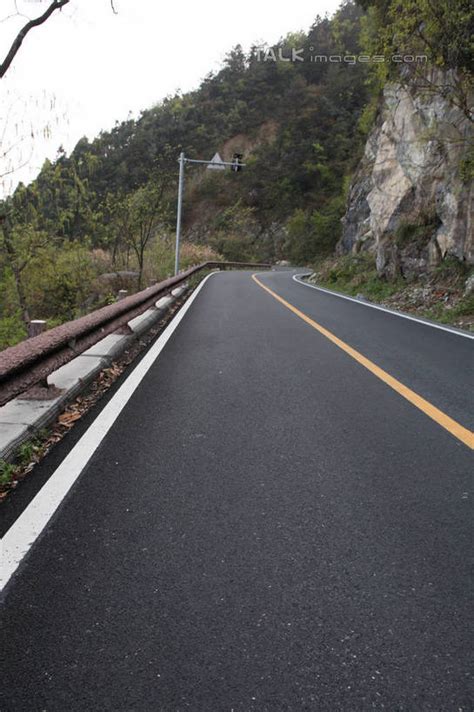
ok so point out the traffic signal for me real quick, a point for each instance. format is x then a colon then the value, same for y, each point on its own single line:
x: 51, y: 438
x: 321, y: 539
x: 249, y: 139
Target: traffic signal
x: 237, y: 162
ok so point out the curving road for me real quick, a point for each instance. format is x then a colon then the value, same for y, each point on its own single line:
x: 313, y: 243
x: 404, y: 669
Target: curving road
x: 278, y: 517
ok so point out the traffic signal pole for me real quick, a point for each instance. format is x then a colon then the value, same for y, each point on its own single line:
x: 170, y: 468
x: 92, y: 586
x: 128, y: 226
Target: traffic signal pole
x: 235, y: 165
x: 182, y: 162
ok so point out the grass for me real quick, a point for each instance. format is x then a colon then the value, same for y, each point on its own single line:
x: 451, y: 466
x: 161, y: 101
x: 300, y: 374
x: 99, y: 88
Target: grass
x: 356, y: 274
x: 454, y: 270
x: 465, y: 307
x: 7, y: 472
x: 25, y: 455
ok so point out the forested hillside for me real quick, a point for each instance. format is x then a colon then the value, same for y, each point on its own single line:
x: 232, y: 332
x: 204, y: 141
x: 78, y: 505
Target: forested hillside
x: 408, y: 235
x: 301, y: 126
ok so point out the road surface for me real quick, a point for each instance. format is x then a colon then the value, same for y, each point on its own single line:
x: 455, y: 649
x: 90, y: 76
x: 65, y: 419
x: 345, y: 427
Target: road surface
x: 268, y: 524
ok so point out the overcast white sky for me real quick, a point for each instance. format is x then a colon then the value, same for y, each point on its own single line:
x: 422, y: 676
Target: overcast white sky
x: 99, y: 66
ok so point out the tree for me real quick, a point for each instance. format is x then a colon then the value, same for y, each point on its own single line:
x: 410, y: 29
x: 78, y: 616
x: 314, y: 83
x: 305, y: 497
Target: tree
x: 20, y: 245
x: 137, y: 217
x: 30, y: 25
x: 441, y: 30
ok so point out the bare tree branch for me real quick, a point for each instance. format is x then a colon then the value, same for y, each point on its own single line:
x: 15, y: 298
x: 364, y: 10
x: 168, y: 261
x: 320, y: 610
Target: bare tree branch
x: 18, y: 41
x: 15, y: 14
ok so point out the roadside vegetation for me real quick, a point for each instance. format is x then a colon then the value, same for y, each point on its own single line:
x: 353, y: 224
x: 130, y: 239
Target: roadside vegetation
x: 63, y: 283
x: 110, y: 205
x: 26, y: 458
x: 102, y: 218
x: 441, y: 295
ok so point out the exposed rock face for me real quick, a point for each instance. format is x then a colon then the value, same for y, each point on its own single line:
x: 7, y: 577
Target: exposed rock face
x: 408, y: 202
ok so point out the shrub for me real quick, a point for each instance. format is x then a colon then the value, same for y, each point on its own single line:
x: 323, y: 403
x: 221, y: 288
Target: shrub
x: 12, y: 331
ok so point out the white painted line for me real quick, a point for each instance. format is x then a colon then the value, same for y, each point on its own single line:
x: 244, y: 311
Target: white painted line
x: 22, y: 534
x: 458, y: 332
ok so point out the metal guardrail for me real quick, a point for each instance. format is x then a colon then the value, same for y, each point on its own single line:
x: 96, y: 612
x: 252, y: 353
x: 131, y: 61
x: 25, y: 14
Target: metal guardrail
x: 32, y: 361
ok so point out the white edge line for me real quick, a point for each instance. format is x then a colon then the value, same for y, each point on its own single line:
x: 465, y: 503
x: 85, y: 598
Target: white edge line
x: 21, y: 536
x: 297, y: 278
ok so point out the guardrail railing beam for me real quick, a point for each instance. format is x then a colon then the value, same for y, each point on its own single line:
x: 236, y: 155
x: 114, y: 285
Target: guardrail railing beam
x: 32, y: 361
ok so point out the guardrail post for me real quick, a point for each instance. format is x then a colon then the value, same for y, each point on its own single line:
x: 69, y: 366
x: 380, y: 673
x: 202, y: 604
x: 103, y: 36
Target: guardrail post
x: 36, y: 327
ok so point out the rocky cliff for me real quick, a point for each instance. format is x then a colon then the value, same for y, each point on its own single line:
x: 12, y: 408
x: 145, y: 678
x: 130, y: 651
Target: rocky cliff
x: 410, y: 201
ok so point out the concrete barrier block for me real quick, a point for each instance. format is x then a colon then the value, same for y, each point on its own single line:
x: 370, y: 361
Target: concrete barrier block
x: 77, y: 372
x: 164, y: 302
x: 112, y: 346
x: 145, y: 321
x: 21, y: 418
x: 28, y: 412
x: 179, y: 291
x: 12, y: 435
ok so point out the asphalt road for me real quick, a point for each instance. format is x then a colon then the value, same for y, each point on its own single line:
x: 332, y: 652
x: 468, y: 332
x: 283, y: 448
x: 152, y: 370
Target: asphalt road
x: 266, y: 526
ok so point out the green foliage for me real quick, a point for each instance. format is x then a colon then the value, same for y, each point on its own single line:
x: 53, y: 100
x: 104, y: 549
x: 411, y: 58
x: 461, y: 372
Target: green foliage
x: 452, y: 269
x: 312, y: 233
x: 235, y: 248
x: 299, y: 126
x: 442, y: 30
x: 354, y: 274
x: 110, y: 205
x: 7, y: 472
x: 59, y: 281
x: 234, y: 234
x: 466, y: 168
x: 464, y: 307
x: 136, y: 219
x: 26, y: 452
x: 309, y: 103
x: 368, y: 115
x: 12, y: 330
x: 418, y: 234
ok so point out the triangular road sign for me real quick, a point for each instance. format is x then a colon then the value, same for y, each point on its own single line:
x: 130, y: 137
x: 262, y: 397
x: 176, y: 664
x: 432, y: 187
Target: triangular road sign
x: 216, y: 164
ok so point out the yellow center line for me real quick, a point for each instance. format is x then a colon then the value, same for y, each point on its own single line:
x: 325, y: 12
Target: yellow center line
x: 460, y: 432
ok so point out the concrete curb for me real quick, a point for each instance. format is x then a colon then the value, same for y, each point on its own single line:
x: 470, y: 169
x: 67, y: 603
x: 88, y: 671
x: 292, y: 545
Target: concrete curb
x: 21, y: 419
